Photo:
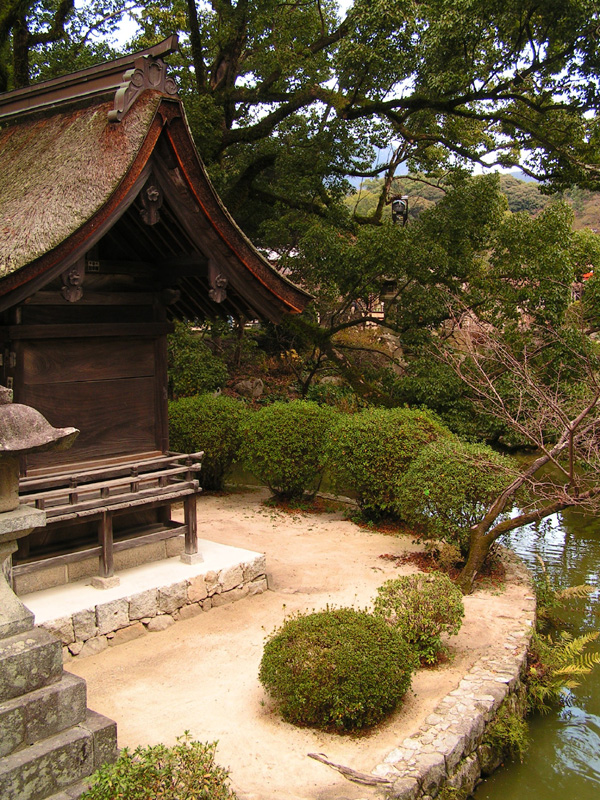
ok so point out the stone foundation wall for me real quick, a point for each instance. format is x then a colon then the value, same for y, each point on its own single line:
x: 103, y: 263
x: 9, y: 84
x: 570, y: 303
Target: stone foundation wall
x: 449, y: 748
x: 104, y: 625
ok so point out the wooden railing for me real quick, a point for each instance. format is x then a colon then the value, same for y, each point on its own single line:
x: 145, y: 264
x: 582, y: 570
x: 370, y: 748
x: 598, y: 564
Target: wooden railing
x: 99, y: 493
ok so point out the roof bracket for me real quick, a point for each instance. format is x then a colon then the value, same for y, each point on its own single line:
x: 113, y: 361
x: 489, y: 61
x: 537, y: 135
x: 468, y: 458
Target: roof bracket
x: 149, y: 72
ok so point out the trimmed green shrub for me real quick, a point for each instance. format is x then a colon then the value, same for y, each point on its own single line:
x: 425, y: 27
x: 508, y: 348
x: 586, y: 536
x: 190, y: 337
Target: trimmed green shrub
x: 421, y: 608
x: 193, y: 368
x: 212, y: 424
x: 284, y: 446
x: 448, y: 488
x: 338, y: 669
x: 369, y: 452
x: 184, y: 771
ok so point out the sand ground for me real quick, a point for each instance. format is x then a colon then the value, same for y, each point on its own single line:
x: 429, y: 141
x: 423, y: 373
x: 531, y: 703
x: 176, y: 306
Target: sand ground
x: 200, y: 675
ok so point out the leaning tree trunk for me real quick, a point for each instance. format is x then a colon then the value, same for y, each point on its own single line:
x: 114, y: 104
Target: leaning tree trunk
x: 479, y: 547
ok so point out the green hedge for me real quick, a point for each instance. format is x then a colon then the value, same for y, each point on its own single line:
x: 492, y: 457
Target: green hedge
x: 369, y: 452
x: 337, y: 669
x: 193, y: 368
x: 284, y: 446
x: 187, y: 770
x: 448, y: 487
x: 212, y: 424
x: 421, y: 607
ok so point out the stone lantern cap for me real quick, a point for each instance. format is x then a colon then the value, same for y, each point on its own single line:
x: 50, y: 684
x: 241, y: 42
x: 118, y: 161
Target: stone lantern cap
x: 24, y: 430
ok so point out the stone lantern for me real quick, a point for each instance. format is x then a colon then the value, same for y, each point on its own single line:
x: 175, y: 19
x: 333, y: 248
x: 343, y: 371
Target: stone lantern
x: 22, y: 430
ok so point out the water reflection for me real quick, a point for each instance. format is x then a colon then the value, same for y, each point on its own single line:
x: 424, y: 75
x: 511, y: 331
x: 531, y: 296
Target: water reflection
x: 563, y: 762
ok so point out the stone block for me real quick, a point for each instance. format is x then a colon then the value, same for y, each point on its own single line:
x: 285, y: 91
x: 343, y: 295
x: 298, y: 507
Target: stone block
x: 171, y: 598
x: 62, y: 628
x: 48, y: 766
x: 93, y: 646
x: 12, y: 726
x: 54, y: 708
x: 125, y: 559
x: 29, y: 661
x: 490, y: 758
x: 229, y: 597
x: 231, y: 577
x: 466, y: 775
x: 78, y: 570
x: 143, y: 605
x: 127, y: 634
x: 432, y: 769
x: 257, y: 586
x: 197, y: 590
x: 404, y: 789
x: 161, y: 623
x: 211, y: 579
x: 39, y: 580
x: 175, y: 546
x: 75, y: 648
x: 207, y: 604
x: 112, y: 616
x: 192, y: 610
x: 255, y: 569
x: 84, y: 624
x: 104, y: 737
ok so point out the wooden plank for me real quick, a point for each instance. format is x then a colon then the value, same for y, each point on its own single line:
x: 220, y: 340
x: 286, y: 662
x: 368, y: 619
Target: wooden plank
x: 84, y: 489
x: 191, y: 524
x: 94, y: 299
x: 79, y: 331
x: 119, y: 546
x: 105, y: 537
x: 75, y: 360
x: 27, y: 484
x: 149, y: 498
x: 115, y: 417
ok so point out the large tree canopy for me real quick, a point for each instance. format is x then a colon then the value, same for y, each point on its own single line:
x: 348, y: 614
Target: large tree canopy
x: 289, y: 98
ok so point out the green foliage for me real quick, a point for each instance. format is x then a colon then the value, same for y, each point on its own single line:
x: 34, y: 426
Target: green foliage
x: 338, y: 669
x: 555, y: 664
x: 212, y: 424
x: 448, y: 487
x: 508, y: 734
x: 343, y: 398
x: 370, y: 450
x: 421, y: 608
x: 284, y: 446
x: 186, y: 770
x: 193, y: 368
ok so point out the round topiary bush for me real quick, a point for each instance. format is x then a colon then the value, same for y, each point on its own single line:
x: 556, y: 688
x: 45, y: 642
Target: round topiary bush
x: 369, y: 451
x: 212, y: 424
x: 284, y: 446
x: 338, y: 669
x: 193, y: 368
x: 421, y: 608
x: 186, y: 770
x: 448, y: 488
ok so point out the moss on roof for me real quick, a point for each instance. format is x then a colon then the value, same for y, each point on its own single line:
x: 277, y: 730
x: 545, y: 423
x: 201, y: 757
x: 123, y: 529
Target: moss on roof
x: 56, y: 171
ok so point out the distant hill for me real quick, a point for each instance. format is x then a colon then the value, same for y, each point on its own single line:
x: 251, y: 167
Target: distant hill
x: 522, y: 195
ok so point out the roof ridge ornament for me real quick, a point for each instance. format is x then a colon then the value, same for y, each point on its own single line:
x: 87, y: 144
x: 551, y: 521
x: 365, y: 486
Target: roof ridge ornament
x: 148, y: 73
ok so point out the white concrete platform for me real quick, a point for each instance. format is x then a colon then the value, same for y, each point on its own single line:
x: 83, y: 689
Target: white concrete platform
x: 66, y: 600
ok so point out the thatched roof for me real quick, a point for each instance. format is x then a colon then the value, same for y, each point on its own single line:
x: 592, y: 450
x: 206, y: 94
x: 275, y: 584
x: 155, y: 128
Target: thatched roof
x: 57, y: 171
x: 73, y: 164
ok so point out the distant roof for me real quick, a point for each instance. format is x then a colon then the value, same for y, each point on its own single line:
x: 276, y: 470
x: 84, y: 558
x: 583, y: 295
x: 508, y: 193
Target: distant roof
x: 75, y: 154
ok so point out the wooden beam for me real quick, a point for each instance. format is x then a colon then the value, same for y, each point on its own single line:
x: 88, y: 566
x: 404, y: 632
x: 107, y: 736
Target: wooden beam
x: 80, y: 331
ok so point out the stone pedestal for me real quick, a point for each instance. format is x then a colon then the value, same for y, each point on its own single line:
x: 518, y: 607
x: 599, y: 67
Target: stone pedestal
x: 49, y: 741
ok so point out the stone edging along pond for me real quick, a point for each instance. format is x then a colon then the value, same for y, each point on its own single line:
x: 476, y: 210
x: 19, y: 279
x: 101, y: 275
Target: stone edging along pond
x: 449, y: 748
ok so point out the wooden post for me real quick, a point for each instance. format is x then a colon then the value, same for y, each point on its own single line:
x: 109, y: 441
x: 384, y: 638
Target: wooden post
x: 191, y: 525
x: 105, y: 537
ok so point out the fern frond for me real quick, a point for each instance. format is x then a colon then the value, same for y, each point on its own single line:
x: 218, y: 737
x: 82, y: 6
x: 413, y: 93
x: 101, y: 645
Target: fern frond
x: 575, y: 592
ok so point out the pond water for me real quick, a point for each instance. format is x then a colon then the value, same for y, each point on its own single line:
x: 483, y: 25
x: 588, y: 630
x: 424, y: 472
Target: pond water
x: 563, y: 761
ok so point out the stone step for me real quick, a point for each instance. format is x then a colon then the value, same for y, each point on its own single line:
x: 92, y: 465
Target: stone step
x: 74, y: 792
x: 43, y: 713
x: 59, y: 762
x: 29, y: 661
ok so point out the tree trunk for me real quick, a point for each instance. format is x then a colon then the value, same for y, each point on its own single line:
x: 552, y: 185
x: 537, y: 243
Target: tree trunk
x: 479, y: 547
